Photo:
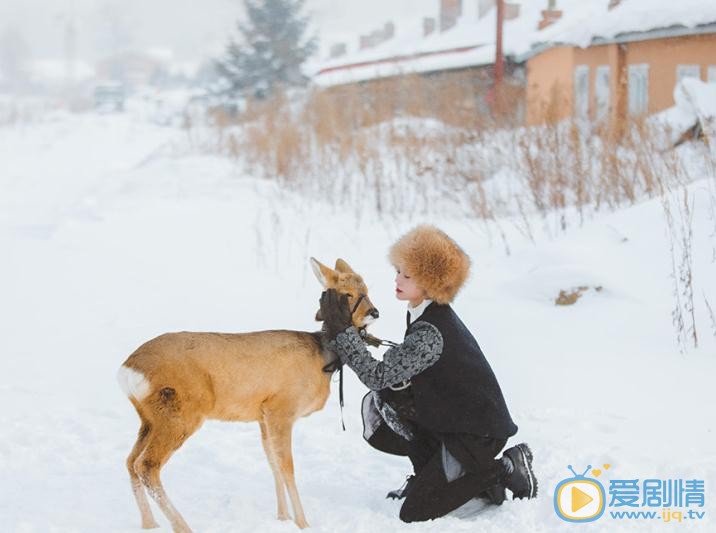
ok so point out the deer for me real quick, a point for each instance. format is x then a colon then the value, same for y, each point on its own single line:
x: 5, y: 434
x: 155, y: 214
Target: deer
x: 176, y: 381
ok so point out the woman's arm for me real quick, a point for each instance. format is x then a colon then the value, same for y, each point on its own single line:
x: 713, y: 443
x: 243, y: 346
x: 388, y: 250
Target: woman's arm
x: 420, y: 350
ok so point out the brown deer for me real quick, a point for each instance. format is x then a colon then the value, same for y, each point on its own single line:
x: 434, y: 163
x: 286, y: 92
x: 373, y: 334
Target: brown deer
x: 178, y: 380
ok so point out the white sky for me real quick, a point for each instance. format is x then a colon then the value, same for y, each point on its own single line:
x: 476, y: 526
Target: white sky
x: 193, y: 29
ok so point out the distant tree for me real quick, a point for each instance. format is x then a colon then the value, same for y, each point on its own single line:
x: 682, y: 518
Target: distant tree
x: 272, y: 47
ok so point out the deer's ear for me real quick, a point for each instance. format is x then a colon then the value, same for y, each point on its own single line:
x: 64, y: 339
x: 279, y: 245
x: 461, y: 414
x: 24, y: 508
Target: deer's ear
x: 342, y: 266
x: 326, y: 276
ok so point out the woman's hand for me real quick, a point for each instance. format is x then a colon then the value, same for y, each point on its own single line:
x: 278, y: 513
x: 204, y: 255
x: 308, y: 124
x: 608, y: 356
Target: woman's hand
x: 335, y: 312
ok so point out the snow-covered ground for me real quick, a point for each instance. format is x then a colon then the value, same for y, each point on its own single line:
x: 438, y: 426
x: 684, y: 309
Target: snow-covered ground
x: 110, y: 236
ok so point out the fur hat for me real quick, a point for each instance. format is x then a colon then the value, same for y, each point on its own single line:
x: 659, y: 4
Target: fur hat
x: 434, y: 260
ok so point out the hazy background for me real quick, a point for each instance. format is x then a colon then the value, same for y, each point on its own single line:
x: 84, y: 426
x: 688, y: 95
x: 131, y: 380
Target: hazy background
x: 192, y: 29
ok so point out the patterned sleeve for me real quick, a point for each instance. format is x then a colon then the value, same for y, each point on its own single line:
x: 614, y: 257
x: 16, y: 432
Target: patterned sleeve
x: 420, y: 350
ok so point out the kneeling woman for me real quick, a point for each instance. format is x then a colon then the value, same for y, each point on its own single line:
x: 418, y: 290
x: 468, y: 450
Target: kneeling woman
x: 434, y: 398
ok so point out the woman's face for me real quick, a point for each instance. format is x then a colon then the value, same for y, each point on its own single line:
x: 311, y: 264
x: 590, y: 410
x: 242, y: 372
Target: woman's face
x: 406, y: 288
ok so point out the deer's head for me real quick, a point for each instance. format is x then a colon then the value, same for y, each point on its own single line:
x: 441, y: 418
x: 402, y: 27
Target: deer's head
x: 344, y: 280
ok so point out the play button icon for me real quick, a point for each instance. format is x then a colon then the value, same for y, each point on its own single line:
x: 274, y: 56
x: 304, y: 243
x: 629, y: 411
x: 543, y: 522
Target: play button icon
x: 579, y: 499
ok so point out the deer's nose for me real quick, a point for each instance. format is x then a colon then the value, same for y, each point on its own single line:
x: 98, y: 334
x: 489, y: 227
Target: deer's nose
x: 374, y: 313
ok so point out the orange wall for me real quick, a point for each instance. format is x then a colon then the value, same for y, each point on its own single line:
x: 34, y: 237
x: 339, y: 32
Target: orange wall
x: 556, y: 66
x: 663, y: 56
x: 549, y: 75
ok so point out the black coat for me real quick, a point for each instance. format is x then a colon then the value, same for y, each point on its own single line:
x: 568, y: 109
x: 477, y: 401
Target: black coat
x: 459, y: 393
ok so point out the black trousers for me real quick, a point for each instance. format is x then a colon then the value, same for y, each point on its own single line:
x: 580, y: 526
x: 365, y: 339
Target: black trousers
x: 431, y: 495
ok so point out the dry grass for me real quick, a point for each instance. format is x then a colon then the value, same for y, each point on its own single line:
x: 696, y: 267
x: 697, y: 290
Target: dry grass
x: 679, y: 210
x: 410, y: 135
x: 431, y: 144
x: 570, y: 296
x: 586, y: 166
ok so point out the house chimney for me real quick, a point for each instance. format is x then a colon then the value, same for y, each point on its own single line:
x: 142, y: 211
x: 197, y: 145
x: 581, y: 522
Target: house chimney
x: 450, y: 11
x: 613, y: 4
x: 549, y: 15
x: 512, y: 11
x: 428, y: 26
x: 337, y: 50
x: 367, y: 41
x: 377, y: 37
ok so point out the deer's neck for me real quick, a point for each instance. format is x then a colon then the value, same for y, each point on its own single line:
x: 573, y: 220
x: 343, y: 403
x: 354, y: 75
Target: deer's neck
x: 329, y: 356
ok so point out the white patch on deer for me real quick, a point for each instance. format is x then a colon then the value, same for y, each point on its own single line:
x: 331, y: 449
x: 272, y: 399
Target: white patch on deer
x: 133, y: 383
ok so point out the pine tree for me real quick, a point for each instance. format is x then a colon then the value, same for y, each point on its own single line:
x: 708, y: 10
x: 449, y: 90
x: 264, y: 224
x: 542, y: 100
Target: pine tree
x: 272, y: 48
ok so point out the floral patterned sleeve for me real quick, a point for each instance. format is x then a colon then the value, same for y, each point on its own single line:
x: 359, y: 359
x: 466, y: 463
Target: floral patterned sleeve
x: 420, y: 350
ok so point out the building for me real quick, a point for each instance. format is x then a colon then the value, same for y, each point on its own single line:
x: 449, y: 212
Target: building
x: 609, y: 59
x: 598, y: 59
x: 457, y: 42
x: 135, y: 69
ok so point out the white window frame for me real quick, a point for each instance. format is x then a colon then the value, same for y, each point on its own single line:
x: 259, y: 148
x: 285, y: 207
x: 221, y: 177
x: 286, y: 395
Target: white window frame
x: 688, y: 71
x: 711, y: 74
x: 638, y: 88
x: 581, y: 91
x: 602, y: 91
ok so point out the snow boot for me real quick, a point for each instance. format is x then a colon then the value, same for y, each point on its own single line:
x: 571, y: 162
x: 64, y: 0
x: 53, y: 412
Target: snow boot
x: 522, y: 481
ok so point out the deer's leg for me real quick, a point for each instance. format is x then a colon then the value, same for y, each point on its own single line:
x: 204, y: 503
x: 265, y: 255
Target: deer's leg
x: 279, y: 433
x: 282, y: 512
x: 166, y: 437
x: 148, y: 521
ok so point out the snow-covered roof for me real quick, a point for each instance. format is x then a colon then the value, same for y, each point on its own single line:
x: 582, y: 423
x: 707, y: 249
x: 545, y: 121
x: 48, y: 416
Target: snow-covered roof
x: 471, y: 41
x: 591, y: 21
x: 422, y: 62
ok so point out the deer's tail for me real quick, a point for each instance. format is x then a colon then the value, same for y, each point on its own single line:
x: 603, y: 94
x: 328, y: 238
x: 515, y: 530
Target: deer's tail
x: 133, y: 383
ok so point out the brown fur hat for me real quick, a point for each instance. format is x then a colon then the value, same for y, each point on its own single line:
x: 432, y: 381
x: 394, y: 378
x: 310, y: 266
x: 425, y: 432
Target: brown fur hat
x: 434, y: 260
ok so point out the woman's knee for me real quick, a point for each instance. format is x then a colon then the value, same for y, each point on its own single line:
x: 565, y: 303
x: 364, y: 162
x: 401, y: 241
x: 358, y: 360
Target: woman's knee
x: 387, y: 441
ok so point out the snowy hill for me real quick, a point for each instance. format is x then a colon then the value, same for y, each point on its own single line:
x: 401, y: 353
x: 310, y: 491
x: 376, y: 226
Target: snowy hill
x: 112, y: 235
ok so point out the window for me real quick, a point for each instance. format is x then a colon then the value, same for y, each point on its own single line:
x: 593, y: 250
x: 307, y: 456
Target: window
x: 711, y: 74
x: 687, y: 71
x: 638, y: 89
x: 581, y: 91
x: 602, y: 91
